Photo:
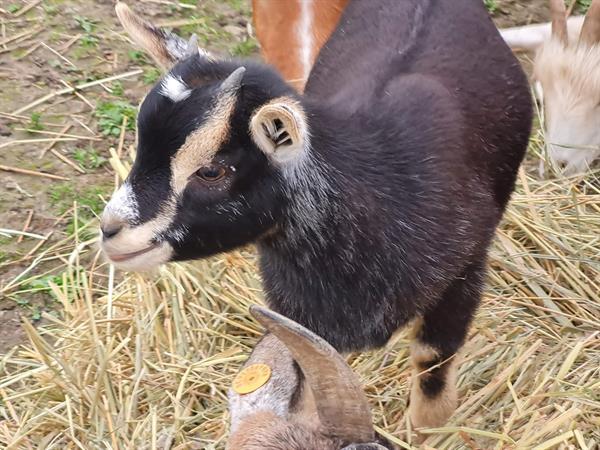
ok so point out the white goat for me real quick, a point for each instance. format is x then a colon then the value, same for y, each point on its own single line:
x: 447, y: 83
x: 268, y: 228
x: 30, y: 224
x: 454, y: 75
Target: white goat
x: 567, y: 76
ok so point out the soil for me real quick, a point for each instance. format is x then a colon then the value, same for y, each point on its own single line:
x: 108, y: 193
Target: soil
x: 91, y: 46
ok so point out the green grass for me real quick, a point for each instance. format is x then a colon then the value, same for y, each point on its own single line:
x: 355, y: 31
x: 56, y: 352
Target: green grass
x: 244, y: 48
x: 89, y: 41
x: 35, y: 121
x: 62, y: 196
x: 151, y: 75
x: 87, y: 25
x: 137, y: 56
x: 116, y: 88
x: 89, y: 158
x: 491, y: 5
x: 110, y: 117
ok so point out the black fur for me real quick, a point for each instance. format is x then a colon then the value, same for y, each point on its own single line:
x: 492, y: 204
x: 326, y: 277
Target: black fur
x: 419, y: 117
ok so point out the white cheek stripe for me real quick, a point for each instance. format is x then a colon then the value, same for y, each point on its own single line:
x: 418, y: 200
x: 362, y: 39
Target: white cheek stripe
x: 123, y: 204
x: 174, y: 88
x: 305, y: 35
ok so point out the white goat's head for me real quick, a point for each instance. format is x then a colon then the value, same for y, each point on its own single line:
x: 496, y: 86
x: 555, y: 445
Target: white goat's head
x: 569, y: 75
x: 311, y: 401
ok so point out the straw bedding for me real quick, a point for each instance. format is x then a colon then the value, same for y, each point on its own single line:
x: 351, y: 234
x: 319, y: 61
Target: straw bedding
x: 145, y: 361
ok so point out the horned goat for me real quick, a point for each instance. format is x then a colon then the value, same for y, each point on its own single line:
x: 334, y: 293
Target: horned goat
x: 567, y: 75
x: 372, y: 198
x: 330, y: 412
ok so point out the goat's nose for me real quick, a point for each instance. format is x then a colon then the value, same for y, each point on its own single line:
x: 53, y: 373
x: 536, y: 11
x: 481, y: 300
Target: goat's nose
x: 110, y: 226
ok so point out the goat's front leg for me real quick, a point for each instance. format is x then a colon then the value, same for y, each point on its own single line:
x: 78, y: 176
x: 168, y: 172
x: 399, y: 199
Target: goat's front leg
x: 439, y: 335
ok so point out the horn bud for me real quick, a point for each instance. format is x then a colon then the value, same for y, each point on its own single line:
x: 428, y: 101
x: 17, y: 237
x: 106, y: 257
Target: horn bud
x: 234, y: 81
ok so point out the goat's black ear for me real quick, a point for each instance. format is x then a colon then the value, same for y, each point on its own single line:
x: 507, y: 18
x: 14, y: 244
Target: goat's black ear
x: 164, y: 47
x: 280, y: 130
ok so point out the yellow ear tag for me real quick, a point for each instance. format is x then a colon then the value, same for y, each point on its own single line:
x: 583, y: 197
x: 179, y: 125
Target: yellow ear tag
x: 251, y: 378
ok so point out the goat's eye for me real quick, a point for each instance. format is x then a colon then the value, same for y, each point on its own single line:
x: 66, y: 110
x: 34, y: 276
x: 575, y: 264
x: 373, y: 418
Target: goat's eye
x: 210, y: 174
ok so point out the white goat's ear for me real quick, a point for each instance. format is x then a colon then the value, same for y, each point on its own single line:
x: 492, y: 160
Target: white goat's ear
x: 164, y: 47
x: 280, y: 130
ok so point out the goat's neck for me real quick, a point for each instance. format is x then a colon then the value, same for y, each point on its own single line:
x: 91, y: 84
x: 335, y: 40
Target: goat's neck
x: 319, y: 204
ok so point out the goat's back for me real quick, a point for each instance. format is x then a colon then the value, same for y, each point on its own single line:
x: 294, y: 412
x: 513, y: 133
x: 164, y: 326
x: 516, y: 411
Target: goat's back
x: 454, y: 43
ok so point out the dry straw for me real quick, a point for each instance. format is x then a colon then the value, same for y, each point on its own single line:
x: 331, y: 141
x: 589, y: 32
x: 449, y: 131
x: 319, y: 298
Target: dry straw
x: 145, y: 361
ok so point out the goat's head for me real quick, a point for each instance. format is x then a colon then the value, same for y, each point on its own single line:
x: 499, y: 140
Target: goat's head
x: 321, y: 408
x: 214, y: 136
x: 569, y: 75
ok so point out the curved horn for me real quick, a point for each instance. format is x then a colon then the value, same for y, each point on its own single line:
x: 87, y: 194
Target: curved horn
x: 558, y: 12
x: 234, y: 81
x: 341, y: 403
x: 590, y: 33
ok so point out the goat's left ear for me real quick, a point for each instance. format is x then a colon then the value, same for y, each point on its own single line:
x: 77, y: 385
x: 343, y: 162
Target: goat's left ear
x: 280, y: 130
x: 164, y: 47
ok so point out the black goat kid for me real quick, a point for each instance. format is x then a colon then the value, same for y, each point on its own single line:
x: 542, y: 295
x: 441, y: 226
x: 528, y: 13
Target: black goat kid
x: 372, y: 198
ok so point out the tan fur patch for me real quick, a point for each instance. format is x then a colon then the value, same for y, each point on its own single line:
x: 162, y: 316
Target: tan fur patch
x: 201, y: 146
x: 425, y: 411
x: 421, y: 354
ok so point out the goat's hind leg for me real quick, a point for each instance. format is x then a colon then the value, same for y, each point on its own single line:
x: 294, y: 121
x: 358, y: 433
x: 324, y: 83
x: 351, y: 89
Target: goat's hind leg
x: 438, y: 336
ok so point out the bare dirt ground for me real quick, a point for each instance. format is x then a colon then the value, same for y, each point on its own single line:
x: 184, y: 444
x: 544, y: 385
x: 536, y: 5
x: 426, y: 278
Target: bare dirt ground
x: 52, y: 45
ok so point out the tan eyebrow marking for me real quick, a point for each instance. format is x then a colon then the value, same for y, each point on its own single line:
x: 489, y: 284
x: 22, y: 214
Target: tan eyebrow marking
x: 201, y: 146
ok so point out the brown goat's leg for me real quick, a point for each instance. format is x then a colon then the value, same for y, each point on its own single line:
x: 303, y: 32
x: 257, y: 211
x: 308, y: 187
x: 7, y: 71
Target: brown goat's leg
x: 439, y: 335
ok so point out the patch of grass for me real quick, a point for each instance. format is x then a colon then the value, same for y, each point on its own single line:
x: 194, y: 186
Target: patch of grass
x: 13, y: 8
x: 50, y: 9
x: 151, y: 75
x: 491, y: 5
x: 238, y: 5
x: 244, y: 48
x: 110, y: 117
x: 89, y: 158
x: 62, y: 196
x: 116, y: 88
x: 89, y: 205
x: 137, y: 56
x: 35, y: 121
x: 85, y: 24
x: 89, y: 41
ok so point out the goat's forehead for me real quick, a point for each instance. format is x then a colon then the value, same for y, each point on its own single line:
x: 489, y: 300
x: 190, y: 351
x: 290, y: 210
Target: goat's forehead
x: 570, y: 70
